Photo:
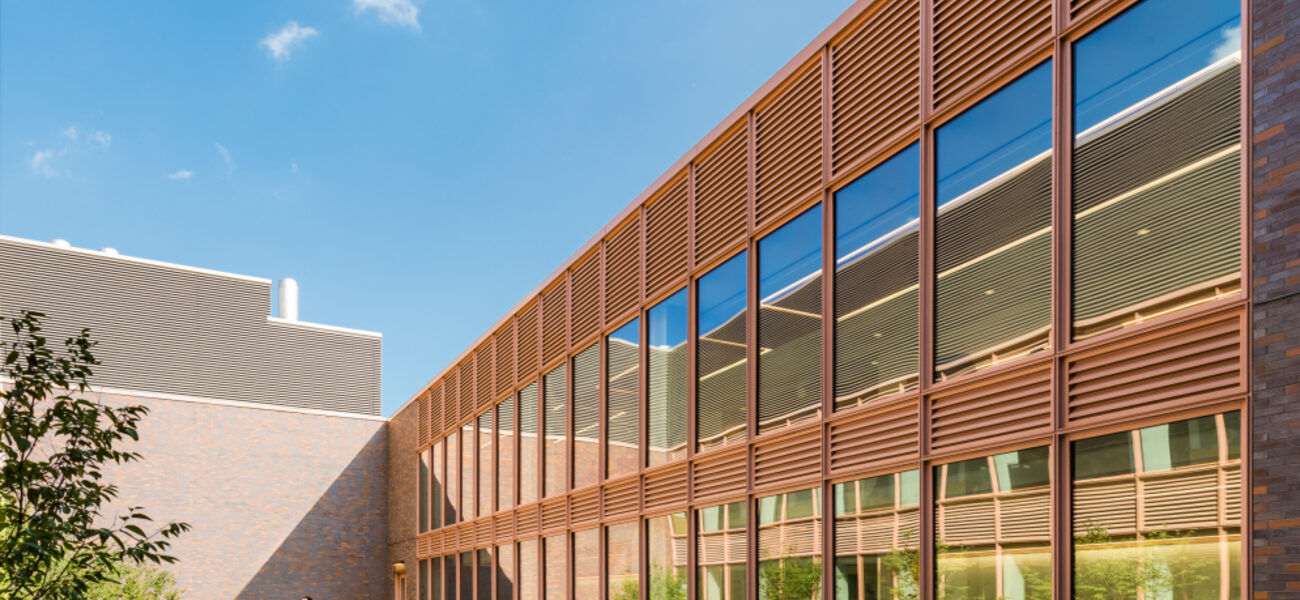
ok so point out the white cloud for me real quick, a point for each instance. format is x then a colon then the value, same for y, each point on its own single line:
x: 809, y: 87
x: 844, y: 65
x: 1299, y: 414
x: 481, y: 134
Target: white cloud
x: 225, y: 155
x: 182, y: 175
x: 402, y: 13
x: 69, y: 132
x: 41, y: 163
x: 289, y: 36
x: 1229, y: 43
x: 100, y: 137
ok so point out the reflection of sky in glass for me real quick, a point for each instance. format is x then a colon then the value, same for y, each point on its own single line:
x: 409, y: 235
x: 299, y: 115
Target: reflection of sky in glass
x: 722, y: 294
x: 790, y: 254
x: 1146, y: 49
x: 667, y: 322
x: 629, y: 333
x: 1001, y: 132
x: 884, y: 200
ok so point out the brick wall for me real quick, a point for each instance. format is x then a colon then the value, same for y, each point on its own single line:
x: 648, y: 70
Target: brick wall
x: 402, y: 501
x: 1275, y: 69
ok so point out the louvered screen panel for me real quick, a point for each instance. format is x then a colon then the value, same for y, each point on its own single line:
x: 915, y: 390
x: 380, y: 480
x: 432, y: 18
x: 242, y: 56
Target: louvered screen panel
x: 554, y: 514
x: 526, y: 340
x: 722, y: 194
x: 555, y: 316
x: 483, y: 534
x: 465, y: 536
x: 584, y: 320
x: 1080, y: 7
x: 422, y: 546
x: 623, y: 269
x: 1110, y: 503
x: 1006, y: 408
x: 483, y: 369
x: 526, y: 520
x: 438, y: 542
x: 465, y: 375
x: 876, y: 80
x: 973, y: 39
x: 424, y: 420
x: 1180, y: 500
x: 968, y: 522
x: 504, y: 346
x: 788, y: 129
x: 1025, y: 517
x: 880, y: 438
x: 1203, y: 359
x: 450, y: 401
x: 503, y: 527
x: 622, y: 497
x: 720, y: 475
x: 666, y: 231
x: 792, y: 458
x: 584, y: 507
x: 665, y: 487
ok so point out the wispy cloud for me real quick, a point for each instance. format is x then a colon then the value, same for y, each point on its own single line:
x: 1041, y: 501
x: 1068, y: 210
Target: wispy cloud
x: 225, y: 155
x: 69, y: 132
x: 287, y: 38
x: 182, y: 175
x: 42, y: 163
x: 100, y: 137
x: 402, y: 13
x: 1229, y: 43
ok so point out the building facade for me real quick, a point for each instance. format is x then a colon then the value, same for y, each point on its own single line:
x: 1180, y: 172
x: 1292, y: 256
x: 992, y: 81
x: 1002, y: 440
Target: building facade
x: 974, y: 299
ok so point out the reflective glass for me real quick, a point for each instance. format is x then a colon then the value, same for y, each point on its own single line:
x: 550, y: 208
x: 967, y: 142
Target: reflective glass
x: 423, y: 490
x: 789, y: 322
x: 449, y: 576
x: 437, y: 491
x: 993, y: 228
x: 453, y: 478
x: 506, y: 453
x: 528, y: 444
x: 789, y: 545
x: 667, y: 372
x: 530, y: 571
x: 486, y: 449
x: 721, y: 552
x: 721, y: 352
x: 467, y: 481
x: 466, y: 576
x: 485, y: 574
x: 556, y: 392
x: 1157, y: 162
x: 556, y: 563
x: 876, y: 269
x: 623, y: 399
x: 666, y: 548
x: 877, y: 523
x: 586, y: 564
x: 623, y: 558
x: 586, y: 417
x: 506, y: 579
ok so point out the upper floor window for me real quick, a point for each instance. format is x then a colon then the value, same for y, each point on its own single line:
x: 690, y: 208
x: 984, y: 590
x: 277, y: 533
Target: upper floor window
x: 586, y: 417
x: 790, y: 322
x: 721, y: 355
x: 667, y: 373
x: 556, y: 395
x: 623, y: 400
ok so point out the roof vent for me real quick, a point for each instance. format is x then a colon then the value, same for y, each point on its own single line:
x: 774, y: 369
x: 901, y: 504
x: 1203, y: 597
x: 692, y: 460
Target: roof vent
x: 288, y: 299
x: 109, y: 250
x: 60, y: 242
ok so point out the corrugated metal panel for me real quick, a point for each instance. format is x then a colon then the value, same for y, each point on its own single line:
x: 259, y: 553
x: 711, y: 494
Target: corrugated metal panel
x: 975, y: 39
x: 722, y: 194
x: 665, y: 487
x: 483, y: 368
x: 555, y: 317
x: 1004, y: 408
x: 666, y: 237
x: 504, y: 345
x: 789, y: 133
x: 880, y: 438
x: 174, y: 331
x: 721, y: 475
x: 526, y: 338
x: 790, y: 459
x: 622, y: 497
x: 876, y: 79
x: 623, y: 269
x: 585, y: 318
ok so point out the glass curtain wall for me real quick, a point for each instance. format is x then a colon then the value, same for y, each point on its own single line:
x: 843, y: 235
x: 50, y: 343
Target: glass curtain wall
x: 529, y: 445
x: 586, y: 417
x: 623, y: 400
x: 556, y: 392
x: 507, y: 581
x: 790, y: 323
x: 667, y: 545
x: 453, y: 479
x: 623, y: 561
x: 436, y: 492
x: 877, y: 537
x: 466, y: 576
x: 556, y: 566
x: 722, y: 549
x: 450, y: 567
x: 586, y: 564
x: 423, y: 484
x: 722, y: 355
x: 467, y: 482
x: 485, y: 574
x: 529, y: 570
x: 790, y: 545
x: 667, y: 374
x: 506, y: 453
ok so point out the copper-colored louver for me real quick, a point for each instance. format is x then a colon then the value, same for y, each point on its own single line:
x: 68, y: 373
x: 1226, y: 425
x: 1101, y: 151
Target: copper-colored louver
x: 526, y: 340
x: 876, y: 79
x: 622, y: 497
x: 422, y: 549
x: 503, y: 344
x: 584, y: 317
x: 1079, y: 7
x: 880, y: 438
x: 666, y: 235
x: 1006, y: 408
x: 483, y: 532
x: 975, y: 39
x: 1199, y: 360
x: 503, y: 526
x: 450, y: 404
x: 584, y: 507
x: 788, y: 131
x: 555, y: 315
x: 720, y: 475
x: 665, y: 487
x: 465, y: 536
x: 623, y: 269
x: 790, y: 459
x: 423, y: 420
x: 526, y: 520
x: 722, y: 194
x: 483, y: 369
x: 465, y: 375
x: 554, y: 514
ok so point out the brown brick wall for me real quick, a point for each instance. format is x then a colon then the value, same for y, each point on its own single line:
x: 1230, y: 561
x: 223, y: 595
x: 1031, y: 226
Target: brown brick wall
x: 1275, y: 69
x: 402, y: 499
x: 283, y: 503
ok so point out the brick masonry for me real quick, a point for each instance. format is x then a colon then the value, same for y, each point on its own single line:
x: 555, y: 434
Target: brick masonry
x: 402, y: 489
x: 1275, y: 70
x: 283, y: 503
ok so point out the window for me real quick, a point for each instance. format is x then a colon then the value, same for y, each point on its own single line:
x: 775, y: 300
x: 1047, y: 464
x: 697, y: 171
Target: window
x: 449, y: 576
x: 623, y: 400
x: 790, y: 323
x: 466, y: 576
x: 586, y: 564
x: 993, y: 226
x: 789, y: 545
x: 506, y: 453
x: 586, y: 418
x: 877, y: 221
x: 877, y: 523
x: 528, y: 444
x: 992, y: 527
x: 556, y: 565
x: 453, y: 479
x: 623, y: 558
x: 467, y: 482
x: 666, y: 547
x: 666, y: 323
x: 1157, y: 162
x: 506, y: 579
x: 721, y: 551
x: 556, y: 392
x: 485, y: 572
x: 1164, y: 526
x: 529, y: 571
x: 423, y: 486
x: 486, y: 449
x: 436, y: 493
x: 721, y: 355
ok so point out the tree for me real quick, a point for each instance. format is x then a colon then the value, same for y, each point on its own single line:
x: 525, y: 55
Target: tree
x: 142, y: 582
x: 58, y: 535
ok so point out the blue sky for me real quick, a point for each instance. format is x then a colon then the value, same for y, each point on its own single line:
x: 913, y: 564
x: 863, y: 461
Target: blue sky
x: 418, y: 166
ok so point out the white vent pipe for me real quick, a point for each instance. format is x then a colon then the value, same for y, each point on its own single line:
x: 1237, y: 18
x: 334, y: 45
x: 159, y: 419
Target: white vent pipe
x: 288, y: 299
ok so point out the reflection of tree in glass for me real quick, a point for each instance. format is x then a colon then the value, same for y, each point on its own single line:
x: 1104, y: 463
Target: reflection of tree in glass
x: 1159, y: 565
x: 627, y: 589
x: 790, y: 578
x: 905, y: 565
x: 666, y: 583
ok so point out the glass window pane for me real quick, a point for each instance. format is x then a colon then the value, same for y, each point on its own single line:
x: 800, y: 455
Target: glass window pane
x: 666, y: 323
x: 720, y: 547
x: 789, y: 323
x: 423, y: 490
x: 1232, y: 431
x: 506, y: 453
x: 789, y: 548
x: 486, y: 435
x: 453, y: 478
x: 466, y: 576
x: 994, y: 544
x: 1159, y: 531
x: 667, y: 556
x: 528, y: 444
x: 623, y: 415
x: 1103, y: 456
x: 437, y: 492
x: 467, y: 482
x: 586, y: 564
x: 556, y: 565
x: 993, y: 229
x: 623, y: 557
x: 530, y: 572
x: 721, y: 352
x: 877, y: 255
x: 484, y: 575
x: 1157, y: 162
x: 586, y: 417
x: 449, y: 576
x: 434, y: 586
x: 876, y: 544
x: 506, y: 580
x: 556, y: 390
